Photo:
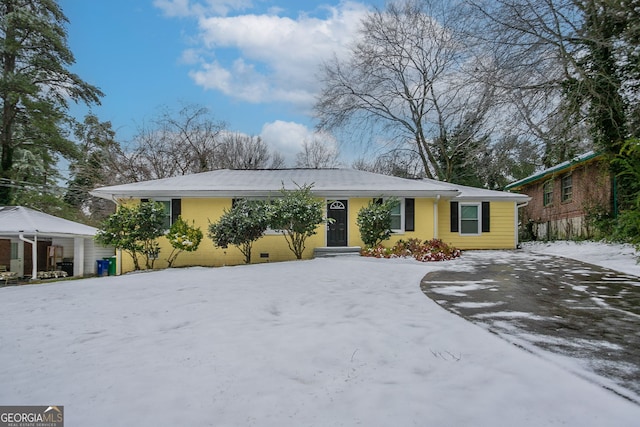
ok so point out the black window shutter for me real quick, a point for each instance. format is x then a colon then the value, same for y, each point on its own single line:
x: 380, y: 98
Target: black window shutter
x: 486, y: 220
x: 409, y: 214
x: 377, y: 201
x: 144, y: 200
x: 176, y: 209
x: 454, y: 217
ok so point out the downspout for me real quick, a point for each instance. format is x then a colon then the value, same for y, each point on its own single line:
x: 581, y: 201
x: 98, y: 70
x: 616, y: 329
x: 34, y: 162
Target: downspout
x: 517, y: 219
x: 118, y: 251
x: 435, y: 217
x: 34, y: 254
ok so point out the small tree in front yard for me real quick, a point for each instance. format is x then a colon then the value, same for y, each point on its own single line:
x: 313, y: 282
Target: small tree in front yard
x: 240, y: 226
x: 134, y: 229
x: 374, y: 221
x: 182, y: 237
x: 150, y: 226
x: 297, y: 215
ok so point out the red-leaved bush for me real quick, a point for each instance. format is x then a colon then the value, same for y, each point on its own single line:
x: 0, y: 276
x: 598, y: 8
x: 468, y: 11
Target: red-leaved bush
x: 429, y: 250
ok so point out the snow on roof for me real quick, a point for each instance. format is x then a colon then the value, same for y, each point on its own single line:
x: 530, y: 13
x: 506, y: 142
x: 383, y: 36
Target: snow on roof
x: 18, y: 219
x: 263, y: 182
x: 475, y: 193
x: 554, y: 169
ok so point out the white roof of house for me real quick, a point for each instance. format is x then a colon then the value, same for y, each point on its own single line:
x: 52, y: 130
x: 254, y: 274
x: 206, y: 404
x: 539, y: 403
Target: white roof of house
x: 265, y: 182
x: 15, y: 220
x: 475, y: 193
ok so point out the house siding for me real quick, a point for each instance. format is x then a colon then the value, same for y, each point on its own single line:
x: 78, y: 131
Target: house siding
x: 502, y: 226
x: 92, y: 253
x: 591, y: 191
x: 423, y: 222
x: 203, y: 211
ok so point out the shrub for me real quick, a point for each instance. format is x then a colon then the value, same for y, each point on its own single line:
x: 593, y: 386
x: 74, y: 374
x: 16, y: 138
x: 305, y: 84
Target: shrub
x: 134, y: 229
x: 296, y: 215
x: 245, y: 223
x: 183, y: 237
x: 374, y: 221
x: 627, y: 228
x: 430, y: 250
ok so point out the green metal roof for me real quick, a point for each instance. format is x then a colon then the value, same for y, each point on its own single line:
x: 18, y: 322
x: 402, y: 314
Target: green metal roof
x: 554, y: 170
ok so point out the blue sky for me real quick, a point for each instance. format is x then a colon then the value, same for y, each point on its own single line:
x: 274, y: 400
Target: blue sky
x: 252, y: 62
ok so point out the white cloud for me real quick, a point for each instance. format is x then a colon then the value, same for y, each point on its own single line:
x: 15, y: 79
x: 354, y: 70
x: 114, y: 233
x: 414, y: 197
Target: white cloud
x: 269, y: 58
x: 286, y: 138
x: 190, y: 57
x: 173, y: 7
x: 183, y: 8
x: 240, y: 81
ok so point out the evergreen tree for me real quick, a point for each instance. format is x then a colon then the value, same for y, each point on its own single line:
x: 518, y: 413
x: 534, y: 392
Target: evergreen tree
x: 35, y: 86
x: 97, y: 164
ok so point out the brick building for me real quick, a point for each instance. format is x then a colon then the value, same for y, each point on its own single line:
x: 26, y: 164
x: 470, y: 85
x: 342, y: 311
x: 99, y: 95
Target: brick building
x: 562, y: 197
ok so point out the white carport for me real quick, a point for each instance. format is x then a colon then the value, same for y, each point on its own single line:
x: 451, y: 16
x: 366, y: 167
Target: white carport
x: 19, y: 225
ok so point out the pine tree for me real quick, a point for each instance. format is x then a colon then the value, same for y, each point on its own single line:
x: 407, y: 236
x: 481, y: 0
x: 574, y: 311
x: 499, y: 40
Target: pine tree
x: 35, y: 85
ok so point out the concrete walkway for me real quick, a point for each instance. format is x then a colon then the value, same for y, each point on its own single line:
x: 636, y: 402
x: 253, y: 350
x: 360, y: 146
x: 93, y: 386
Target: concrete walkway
x: 581, y: 316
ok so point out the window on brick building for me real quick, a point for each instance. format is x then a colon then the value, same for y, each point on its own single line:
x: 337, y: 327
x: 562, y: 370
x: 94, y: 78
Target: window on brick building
x: 567, y: 188
x: 547, y: 190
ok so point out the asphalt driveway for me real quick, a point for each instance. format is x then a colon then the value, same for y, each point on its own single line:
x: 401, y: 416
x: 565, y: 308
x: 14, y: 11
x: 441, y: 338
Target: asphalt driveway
x: 576, y: 314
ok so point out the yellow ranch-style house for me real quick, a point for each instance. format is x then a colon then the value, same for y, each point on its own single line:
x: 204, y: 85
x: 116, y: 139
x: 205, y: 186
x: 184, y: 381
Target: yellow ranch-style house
x: 465, y: 217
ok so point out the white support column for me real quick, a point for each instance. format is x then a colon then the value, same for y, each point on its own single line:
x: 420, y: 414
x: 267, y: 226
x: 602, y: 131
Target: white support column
x: 118, y: 262
x: 34, y: 254
x: 435, y: 217
x: 78, y: 256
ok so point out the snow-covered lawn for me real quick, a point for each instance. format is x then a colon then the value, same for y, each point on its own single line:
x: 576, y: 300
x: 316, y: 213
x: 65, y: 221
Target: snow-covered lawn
x: 329, y: 342
x: 621, y: 258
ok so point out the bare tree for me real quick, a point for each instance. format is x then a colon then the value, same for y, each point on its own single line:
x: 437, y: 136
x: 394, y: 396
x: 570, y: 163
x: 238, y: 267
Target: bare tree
x: 192, y: 141
x: 197, y: 136
x: 569, y: 63
x: 404, y: 163
x: 175, y: 144
x: 277, y: 160
x: 240, y: 151
x: 318, y: 153
x: 410, y: 76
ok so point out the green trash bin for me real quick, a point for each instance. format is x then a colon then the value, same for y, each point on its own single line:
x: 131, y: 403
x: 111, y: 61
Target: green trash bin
x: 111, y: 269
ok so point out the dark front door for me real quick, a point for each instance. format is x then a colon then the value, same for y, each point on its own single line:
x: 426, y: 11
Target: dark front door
x: 337, y: 229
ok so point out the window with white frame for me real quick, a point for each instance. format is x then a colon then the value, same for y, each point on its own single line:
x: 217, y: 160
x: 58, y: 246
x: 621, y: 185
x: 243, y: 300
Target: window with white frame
x: 469, y: 218
x: 167, y: 213
x: 396, y: 217
x: 172, y: 209
x: 269, y: 231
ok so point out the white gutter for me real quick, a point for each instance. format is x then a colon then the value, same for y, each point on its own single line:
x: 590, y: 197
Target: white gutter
x: 34, y: 254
